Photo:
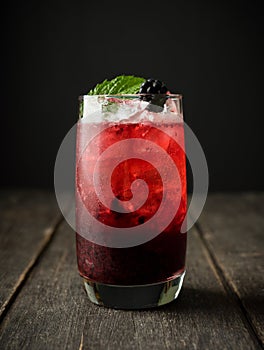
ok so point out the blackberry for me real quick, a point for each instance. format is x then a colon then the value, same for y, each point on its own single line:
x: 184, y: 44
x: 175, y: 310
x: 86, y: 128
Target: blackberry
x: 155, y: 93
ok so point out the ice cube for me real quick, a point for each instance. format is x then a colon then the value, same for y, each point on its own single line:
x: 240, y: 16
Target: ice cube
x: 91, y: 107
x: 129, y: 111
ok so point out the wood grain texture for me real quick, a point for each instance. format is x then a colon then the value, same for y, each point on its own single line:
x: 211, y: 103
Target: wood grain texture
x: 27, y: 221
x: 53, y: 312
x: 232, y: 228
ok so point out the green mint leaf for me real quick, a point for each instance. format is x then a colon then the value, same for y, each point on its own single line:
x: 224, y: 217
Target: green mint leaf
x: 123, y: 84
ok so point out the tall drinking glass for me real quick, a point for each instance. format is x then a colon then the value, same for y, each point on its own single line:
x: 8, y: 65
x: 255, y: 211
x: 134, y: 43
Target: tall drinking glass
x: 131, y: 199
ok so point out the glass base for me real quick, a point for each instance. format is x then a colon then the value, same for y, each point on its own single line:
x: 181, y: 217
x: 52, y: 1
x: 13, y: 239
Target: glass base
x: 134, y: 297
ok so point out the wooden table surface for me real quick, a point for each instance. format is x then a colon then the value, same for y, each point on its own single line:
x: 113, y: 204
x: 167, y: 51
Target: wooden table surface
x: 43, y: 304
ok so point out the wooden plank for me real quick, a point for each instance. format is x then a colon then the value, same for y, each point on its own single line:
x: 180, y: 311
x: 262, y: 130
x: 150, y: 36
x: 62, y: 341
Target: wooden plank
x: 232, y: 226
x: 53, y: 312
x: 27, y: 221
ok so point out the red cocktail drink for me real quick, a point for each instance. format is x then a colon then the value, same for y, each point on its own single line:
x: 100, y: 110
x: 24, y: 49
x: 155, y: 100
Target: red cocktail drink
x: 143, y: 141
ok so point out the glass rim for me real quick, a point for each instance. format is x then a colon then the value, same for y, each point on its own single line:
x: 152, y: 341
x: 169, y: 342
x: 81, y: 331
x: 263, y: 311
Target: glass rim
x: 175, y: 96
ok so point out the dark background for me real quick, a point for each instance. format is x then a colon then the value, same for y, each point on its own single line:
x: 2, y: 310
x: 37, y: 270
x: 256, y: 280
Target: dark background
x: 210, y: 51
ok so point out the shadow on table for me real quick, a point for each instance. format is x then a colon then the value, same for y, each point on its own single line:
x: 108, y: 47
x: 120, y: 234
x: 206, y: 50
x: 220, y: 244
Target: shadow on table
x: 207, y: 301
x: 191, y: 300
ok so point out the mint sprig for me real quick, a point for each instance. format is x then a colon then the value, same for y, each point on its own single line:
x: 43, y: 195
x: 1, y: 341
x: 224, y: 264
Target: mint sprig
x: 122, y: 84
